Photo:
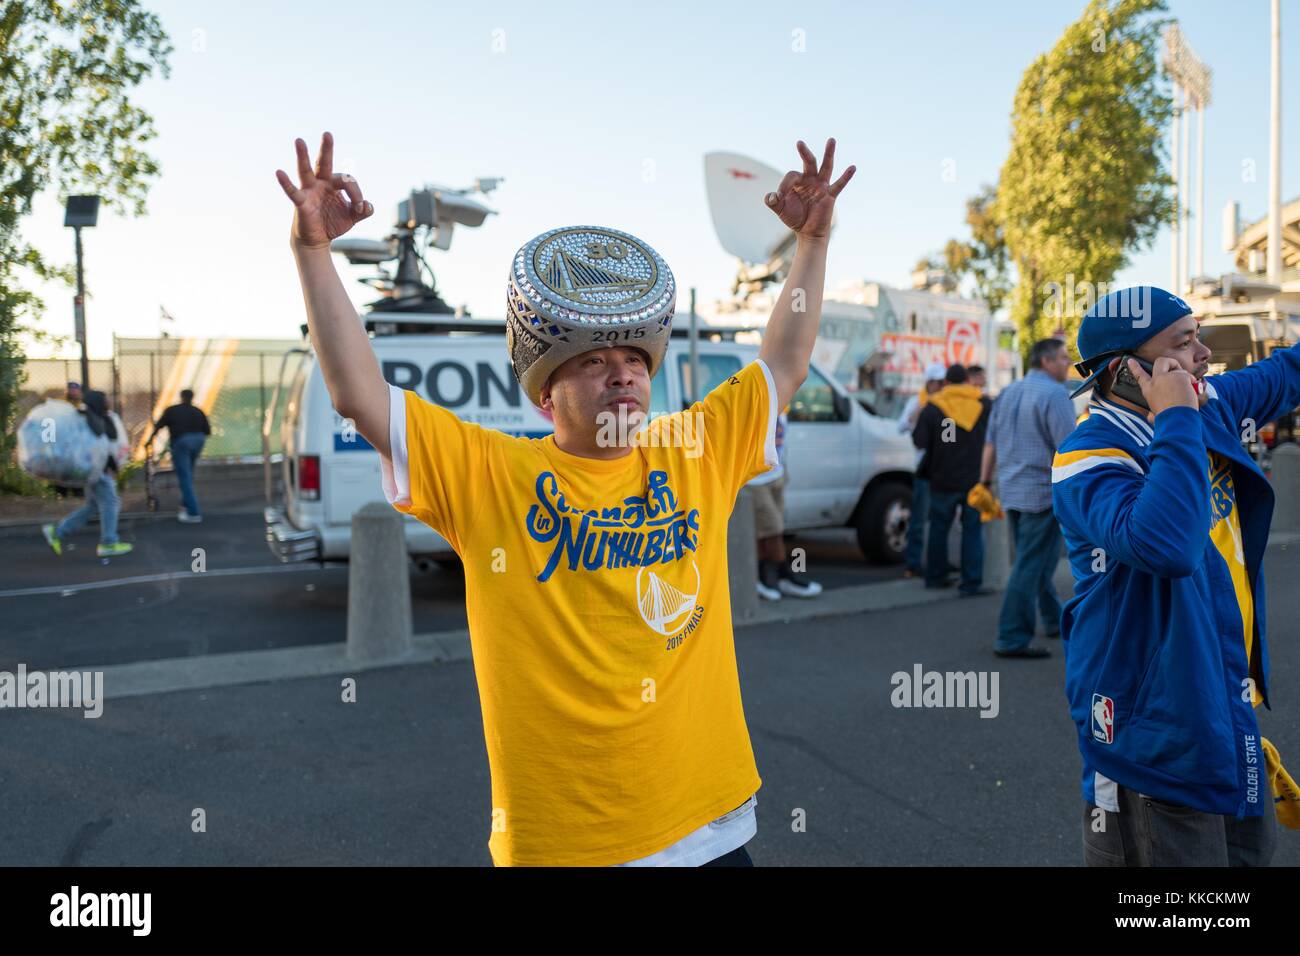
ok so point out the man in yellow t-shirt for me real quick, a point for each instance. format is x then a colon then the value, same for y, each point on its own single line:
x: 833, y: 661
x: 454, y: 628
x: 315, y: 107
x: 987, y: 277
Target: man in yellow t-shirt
x: 595, y: 558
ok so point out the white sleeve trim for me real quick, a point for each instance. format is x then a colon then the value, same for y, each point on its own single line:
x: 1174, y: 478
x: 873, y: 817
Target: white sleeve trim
x: 393, y: 472
x: 769, y: 440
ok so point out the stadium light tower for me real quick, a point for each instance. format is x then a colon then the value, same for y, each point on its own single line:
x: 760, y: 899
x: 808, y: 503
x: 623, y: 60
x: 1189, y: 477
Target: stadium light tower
x: 1191, y: 79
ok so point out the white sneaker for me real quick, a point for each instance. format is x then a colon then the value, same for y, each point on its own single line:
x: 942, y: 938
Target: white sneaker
x: 767, y: 593
x: 184, y: 517
x: 796, y: 585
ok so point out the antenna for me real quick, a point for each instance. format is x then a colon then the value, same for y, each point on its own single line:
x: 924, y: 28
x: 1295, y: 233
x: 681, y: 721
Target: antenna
x: 427, y: 217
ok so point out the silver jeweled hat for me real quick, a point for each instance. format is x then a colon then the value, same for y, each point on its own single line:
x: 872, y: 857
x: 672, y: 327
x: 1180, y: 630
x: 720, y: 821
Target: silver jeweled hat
x: 579, y: 288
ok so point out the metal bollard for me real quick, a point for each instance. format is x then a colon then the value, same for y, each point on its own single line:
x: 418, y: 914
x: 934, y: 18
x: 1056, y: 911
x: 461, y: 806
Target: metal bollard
x: 379, y: 585
x: 742, y: 559
x: 1286, y: 489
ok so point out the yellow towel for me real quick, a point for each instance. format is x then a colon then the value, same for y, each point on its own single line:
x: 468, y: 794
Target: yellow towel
x: 982, y: 500
x: 1286, y: 795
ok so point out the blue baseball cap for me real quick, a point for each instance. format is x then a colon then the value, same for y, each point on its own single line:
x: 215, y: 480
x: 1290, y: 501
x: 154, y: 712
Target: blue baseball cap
x: 1120, y: 322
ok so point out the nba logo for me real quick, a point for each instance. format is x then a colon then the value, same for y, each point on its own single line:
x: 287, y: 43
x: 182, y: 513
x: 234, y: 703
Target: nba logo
x: 1103, y: 719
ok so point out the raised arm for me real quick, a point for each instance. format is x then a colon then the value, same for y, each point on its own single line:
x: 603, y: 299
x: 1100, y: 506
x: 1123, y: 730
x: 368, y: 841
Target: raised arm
x: 804, y: 202
x: 326, y: 205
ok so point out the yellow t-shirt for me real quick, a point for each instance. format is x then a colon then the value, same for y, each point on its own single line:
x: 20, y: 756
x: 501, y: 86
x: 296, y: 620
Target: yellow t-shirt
x: 1225, y: 532
x: 600, y: 620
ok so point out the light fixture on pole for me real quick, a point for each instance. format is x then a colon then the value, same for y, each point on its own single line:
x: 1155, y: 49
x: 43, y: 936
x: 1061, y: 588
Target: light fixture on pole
x: 1191, y: 77
x: 81, y: 211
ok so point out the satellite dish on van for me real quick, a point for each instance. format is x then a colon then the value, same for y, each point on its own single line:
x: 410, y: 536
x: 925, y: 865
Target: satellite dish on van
x: 744, y: 224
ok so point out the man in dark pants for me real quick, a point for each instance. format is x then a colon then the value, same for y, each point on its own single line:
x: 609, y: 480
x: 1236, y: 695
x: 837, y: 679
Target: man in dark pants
x: 1167, y: 519
x: 1029, y: 421
x: 188, y: 429
x: 950, y: 430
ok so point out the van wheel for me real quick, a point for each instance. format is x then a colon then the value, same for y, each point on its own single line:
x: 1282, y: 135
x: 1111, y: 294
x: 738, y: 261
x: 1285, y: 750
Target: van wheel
x: 881, y: 522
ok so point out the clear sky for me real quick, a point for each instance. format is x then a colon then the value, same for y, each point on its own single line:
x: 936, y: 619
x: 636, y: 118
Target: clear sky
x: 572, y: 104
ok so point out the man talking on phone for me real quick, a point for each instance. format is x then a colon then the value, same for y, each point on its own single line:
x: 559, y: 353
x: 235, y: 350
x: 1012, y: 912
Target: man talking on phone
x: 1166, y: 519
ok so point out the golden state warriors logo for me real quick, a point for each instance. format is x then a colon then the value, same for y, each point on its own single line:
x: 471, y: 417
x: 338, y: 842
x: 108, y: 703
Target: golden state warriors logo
x: 595, y: 267
x: 663, y: 606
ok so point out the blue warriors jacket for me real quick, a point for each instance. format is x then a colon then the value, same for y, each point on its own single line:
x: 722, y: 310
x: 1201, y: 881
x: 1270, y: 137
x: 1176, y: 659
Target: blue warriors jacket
x: 1166, y: 526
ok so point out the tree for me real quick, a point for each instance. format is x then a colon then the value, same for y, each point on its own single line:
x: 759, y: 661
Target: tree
x: 65, y: 73
x: 1085, y: 182
x: 984, y: 256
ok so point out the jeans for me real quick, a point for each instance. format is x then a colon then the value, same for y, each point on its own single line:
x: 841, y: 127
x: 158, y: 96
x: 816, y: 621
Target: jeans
x: 1038, y: 546
x: 101, y: 496
x: 916, y: 523
x: 737, y: 857
x: 1150, y: 832
x: 943, y: 506
x: 185, y: 452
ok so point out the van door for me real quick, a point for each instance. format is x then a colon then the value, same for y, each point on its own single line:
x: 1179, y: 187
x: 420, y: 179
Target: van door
x: 823, y: 452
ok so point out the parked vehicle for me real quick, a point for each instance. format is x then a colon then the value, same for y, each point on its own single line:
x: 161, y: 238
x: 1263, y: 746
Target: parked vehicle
x: 847, y: 466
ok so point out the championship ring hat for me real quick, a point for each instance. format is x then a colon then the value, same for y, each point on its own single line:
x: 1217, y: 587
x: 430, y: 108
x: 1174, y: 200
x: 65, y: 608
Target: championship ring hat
x: 935, y: 372
x: 1120, y: 322
x: 579, y: 288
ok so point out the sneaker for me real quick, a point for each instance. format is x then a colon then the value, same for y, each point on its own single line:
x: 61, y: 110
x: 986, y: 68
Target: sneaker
x: 797, y: 584
x: 52, y: 539
x: 184, y: 517
x: 113, y: 550
x: 768, y: 581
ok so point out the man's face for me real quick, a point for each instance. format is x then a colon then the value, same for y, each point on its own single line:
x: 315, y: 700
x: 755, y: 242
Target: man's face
x: 1181, y: 343
x: 1057, y: 364
x: 979, y: 380
x: 934, y: 384
x: 74, y: 396
x: 586, y: 390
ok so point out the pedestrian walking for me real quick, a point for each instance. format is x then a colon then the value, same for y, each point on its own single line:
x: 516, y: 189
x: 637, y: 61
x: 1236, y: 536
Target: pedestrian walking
x: 1029, y: 420
x: 187, y: 429
x: 100, y: 489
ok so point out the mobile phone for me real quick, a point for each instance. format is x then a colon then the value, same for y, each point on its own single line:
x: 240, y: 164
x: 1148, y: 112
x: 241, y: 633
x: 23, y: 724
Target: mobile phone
x: 1126, y: 385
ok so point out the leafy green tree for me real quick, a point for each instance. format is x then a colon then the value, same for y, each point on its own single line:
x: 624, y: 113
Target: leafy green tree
x: 66, y: 70
x: 1085, y: 183
x: 984, y: 256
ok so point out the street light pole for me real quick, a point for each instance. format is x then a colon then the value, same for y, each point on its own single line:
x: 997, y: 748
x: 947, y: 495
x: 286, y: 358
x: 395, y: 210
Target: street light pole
x: 79, y: 315
x: 81, y: 211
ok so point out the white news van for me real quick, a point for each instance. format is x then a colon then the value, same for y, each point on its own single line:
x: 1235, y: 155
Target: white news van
x: 847, y: 467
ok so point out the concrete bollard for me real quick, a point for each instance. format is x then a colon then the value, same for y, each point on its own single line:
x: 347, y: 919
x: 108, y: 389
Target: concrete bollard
x: 742, y: 559
x: 379, y: 585
x: 1286, y: 489
x: 997, y: 553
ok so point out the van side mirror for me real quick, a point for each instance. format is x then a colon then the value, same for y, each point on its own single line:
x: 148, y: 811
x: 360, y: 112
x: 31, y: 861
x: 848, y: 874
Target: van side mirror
x: 843, y: 409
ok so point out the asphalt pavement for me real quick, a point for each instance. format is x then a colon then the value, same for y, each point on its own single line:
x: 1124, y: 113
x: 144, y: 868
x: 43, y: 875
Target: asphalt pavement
x: 285, y: 772
x: 79, y: 610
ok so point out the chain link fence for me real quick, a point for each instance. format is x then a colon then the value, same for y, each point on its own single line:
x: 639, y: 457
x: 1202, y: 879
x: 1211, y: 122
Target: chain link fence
x: 233, y: 381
